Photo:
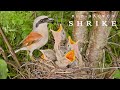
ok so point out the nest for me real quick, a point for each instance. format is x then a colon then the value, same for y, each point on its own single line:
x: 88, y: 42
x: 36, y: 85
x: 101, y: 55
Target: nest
x: 41, y: 69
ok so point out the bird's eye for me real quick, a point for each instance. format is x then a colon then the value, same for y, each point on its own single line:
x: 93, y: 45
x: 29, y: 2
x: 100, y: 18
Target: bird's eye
x: 64, y: 52
x: 41, y: 20
x: 63, y: 33
x: 68, y: 45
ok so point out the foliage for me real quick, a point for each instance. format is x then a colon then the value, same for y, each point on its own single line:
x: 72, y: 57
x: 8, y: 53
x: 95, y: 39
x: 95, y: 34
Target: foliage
x: 117, y: 74
x: 3, y: 69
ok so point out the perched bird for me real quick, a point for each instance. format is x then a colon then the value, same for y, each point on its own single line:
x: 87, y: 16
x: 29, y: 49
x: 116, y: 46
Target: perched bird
x: 38, y: 37
x: 49, y: 55
x: 68, y: 58
x: 72, y: 45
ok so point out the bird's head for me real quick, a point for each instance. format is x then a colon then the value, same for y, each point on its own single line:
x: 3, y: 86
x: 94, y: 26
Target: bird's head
x: 41, y: 20
x: 60, y: 33
x: 71, y: 43
x: 59, y: 29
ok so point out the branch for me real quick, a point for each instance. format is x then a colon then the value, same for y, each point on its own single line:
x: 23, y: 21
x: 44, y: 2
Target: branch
x: 80, y: 32
x: 99, y: 36
x: 9, y: 47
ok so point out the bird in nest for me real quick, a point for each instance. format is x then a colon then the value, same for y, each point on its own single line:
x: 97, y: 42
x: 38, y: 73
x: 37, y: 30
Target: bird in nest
x: 48, y: 55
x: 60, y: 42
x: 62, y: 62
x: 72, y: 45
x: 59, y: 55
x: 59, y: 37
x: 66, y: 60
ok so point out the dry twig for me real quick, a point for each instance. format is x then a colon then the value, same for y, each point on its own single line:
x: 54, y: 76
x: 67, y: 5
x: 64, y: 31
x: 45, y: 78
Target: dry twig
x: 9, y: 47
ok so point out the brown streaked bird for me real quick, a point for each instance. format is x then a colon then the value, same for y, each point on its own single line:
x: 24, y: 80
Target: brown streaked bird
x: 38, y: 36
x: 48, y: 55
x: 68, y: 58
x: 72, y: 45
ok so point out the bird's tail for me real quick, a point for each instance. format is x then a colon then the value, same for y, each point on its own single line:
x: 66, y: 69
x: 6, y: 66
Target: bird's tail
x: 24, y: 48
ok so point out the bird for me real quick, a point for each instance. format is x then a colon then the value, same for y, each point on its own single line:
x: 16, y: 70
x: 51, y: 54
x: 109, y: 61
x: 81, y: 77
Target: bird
x: 61, y: 47
x: 59, y: 37
x: 72, y: 45
x: 60, y: 41
x: 68, y: 58
x: 49, y: 55
x: 38, y: 37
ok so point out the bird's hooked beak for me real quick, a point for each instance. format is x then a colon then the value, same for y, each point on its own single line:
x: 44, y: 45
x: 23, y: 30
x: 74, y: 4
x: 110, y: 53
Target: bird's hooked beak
x: 50, y: 20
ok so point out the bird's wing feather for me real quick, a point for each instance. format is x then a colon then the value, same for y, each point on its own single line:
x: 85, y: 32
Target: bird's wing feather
x: 31, y: 38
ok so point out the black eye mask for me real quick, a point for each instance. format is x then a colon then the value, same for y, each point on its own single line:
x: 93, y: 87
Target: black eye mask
x: 41, y: 21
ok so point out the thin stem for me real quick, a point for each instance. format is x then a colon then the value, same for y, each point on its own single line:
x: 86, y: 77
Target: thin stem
x: 114, y: 43
x: 9, y: 47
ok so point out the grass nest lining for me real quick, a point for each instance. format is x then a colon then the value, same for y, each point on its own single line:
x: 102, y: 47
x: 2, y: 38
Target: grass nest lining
x: 42, y: 69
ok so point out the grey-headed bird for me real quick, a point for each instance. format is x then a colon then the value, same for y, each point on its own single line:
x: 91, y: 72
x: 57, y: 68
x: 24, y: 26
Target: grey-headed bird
x: 38, y: 37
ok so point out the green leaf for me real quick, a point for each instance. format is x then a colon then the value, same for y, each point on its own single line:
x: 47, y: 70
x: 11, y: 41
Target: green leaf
x: 25, y: 33
x: 117, y: 74
x: 50, y: 46
x: 1, y: 41
x: 118, y: 33
x: 3, y: 69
